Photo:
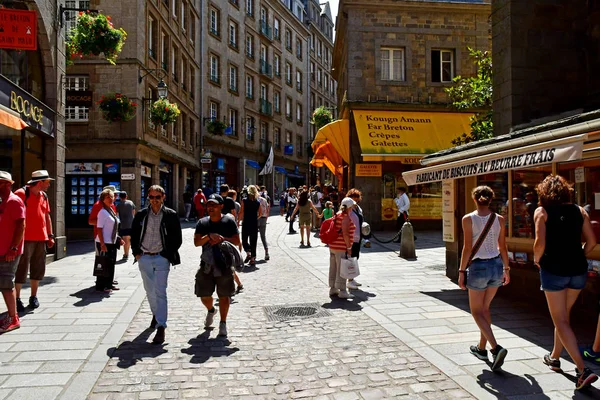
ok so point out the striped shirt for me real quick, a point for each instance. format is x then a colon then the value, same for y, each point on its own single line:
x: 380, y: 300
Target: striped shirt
x: 339, y: 243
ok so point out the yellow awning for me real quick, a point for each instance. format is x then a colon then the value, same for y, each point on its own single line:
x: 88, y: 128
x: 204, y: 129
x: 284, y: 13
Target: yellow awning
x: 410, y: 134
x: 338, y: 134
x: 327, y: 156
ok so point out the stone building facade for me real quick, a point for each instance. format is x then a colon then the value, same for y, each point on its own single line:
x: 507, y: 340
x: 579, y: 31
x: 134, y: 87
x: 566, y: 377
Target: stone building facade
x: 163, y: 43
x: 322, y: 84
x: 398, y: 57
x: 254, y: 79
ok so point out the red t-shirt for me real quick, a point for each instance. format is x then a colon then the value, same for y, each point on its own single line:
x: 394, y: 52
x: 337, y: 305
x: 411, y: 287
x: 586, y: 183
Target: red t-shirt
x: 96, y: 208
x: 199, y: 201
x: 11, y: 211
x: 37, y: 207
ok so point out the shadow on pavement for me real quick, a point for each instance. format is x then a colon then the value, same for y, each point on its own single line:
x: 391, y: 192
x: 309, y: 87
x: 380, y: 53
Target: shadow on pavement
x: 88, y: 296
x: 80, y: 248
x: 501, y: 384
x: 48, y: 280
x: 129, y: 353
x: 349, y: 304
x: 202, y: 348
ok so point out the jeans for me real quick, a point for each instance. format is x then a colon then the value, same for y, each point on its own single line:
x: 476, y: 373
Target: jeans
x: 250, y: 231
x: 188, y: 209
x: 262, y: 228
x: 556, y: 283
x: 155, y: 273
x: 483, y: 274
x: 335, y: 263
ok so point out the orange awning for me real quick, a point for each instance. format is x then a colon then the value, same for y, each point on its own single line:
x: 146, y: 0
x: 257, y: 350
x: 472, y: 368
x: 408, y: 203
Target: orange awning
x: 12, y: 121
x: 338, y: 134
x: 327, y: 156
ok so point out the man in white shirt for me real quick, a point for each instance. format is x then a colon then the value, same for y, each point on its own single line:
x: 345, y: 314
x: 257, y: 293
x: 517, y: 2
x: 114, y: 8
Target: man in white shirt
x: 403, y: 205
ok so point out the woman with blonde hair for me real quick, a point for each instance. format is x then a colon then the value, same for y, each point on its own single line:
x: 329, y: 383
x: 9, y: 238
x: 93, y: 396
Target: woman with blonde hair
x: 561, y: 259
x: 485, y: 255
x: 341, y: 247
x: 249, y: 215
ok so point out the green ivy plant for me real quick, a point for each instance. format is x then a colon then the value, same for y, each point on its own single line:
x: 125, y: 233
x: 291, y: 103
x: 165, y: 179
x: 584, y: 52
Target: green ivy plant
x: 95, y: 34
x: 164, y: 112
x: 475, y: 93
x: 216, y: 127
x: 321, y: 117
x: 117, y: 107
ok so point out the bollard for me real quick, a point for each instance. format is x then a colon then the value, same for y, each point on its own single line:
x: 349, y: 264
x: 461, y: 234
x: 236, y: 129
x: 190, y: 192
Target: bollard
x: 407, y: 242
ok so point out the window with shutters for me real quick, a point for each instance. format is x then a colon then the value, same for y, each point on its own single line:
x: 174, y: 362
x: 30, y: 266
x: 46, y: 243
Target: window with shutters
x: 392, y: 64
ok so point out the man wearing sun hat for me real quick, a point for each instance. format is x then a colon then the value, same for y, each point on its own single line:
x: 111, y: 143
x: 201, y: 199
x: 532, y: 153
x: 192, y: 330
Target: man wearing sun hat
x: 38, y: 235
x: 12, y: 229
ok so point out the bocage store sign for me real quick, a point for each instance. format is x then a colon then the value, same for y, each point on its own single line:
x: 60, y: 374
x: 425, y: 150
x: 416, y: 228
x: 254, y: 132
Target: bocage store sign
x: 496, y: 163
x: 35, y: 113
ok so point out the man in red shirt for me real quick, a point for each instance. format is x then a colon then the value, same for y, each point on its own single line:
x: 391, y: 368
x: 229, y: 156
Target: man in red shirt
x: 38, y: 234
x: 12, y: 229
x: 199, y: 203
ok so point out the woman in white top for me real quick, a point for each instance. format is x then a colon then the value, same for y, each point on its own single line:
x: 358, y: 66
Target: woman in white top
x: 487, y: 272
x: 107, y: 240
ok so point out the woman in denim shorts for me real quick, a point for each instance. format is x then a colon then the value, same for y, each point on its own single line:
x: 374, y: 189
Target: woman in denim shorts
x: 558, y: 253
x: 487, y: 272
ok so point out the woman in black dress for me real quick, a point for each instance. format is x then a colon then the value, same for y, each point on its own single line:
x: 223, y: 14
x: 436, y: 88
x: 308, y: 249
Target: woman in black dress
x: 249, y: 215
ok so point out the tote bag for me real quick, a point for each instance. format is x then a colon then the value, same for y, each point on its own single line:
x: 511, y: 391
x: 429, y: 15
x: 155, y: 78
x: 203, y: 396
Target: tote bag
x: 103, y: 265
x: 349, y: 268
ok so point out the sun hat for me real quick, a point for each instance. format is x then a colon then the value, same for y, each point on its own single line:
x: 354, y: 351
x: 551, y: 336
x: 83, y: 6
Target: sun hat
x: 348, y: 202
x: 215, y: 198
x: 110, y: 187
x: 39, y: 175
x: 5, y: 176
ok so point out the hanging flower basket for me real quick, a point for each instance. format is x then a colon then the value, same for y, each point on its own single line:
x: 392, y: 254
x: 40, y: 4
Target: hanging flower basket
x: 216, y: 127
x: 95, y: 34
x: 321, y: 117
x: 163, y: 112
x: 116, y: 107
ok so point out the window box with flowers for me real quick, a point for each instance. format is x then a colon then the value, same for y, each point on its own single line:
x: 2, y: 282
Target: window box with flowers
x: 164, y: 112
x: 117, y: 107
x: 321, y: 117
x: 216, y: 127
x: 95, y: 34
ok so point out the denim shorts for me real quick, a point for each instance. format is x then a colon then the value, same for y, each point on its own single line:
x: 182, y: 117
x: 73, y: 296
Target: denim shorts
x: 556, y: 283
x: 483, y: 274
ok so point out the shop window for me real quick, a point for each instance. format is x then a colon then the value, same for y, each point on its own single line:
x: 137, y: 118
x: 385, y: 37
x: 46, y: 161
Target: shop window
x: 525, y: 200
x: 498, y: 182
x: 585, y: 176
x: 77, y: 113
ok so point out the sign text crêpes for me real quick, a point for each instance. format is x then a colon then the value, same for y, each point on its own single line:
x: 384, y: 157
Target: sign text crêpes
x: 408, y: 132
x: 496, y: 163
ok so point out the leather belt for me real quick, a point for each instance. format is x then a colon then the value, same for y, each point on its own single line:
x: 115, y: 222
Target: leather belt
x: 486, y: 259
x: 150, y: 254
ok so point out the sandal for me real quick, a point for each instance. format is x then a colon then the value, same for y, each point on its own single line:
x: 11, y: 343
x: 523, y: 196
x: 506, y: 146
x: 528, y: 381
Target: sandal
x: 302, y: 245
x: 308, y: 244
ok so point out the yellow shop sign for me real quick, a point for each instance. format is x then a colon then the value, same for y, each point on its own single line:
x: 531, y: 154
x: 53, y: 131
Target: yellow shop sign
x: 408, y: 133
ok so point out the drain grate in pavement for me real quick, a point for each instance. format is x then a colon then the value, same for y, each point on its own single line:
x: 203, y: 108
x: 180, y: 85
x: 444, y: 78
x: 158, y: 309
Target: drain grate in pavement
x: 295, y: 311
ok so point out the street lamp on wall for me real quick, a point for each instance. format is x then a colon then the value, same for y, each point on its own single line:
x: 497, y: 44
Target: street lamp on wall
x: 162, y: 89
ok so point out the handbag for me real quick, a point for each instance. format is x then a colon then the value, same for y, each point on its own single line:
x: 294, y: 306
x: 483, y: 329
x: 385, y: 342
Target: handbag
x: 481, y: 238
x: 104, y: 265
x: 349, y: 268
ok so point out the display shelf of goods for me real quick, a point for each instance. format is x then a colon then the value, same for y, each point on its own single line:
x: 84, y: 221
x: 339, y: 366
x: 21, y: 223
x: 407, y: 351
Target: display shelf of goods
x: 117, y: 107
x: 164, y: 112
x: 216, y: 127
x: 94, y: 34
x: 321, y: 117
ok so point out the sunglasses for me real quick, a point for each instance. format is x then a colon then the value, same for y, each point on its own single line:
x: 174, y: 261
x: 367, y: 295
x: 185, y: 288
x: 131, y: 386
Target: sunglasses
x: 155, y: 197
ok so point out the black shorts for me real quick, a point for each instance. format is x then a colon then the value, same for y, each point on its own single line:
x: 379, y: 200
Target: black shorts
x: 124, y: 232
x: 206, y: 283
x: 356, y: 250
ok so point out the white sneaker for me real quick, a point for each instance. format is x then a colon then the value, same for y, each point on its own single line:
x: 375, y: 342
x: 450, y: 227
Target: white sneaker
x: 357, y: 283
x: 345, y: 295
x: 352, y: 285
x: 333, y: 292
x: 223, y: 329
x: 210, y: 316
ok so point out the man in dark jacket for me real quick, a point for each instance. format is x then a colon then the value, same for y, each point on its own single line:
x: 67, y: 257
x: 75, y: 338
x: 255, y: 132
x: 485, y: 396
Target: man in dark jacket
x: 155, y: 241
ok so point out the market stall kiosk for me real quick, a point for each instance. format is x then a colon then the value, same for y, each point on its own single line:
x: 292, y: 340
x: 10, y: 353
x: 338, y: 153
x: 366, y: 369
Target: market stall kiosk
x: 512, y: 165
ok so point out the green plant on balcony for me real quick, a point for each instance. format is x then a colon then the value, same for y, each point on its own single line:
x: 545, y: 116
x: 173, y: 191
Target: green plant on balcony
x: 321, y: 117
x: 95, y: 34
x: 164, y: 112
x: 216, y: 127
x: 117, y: 107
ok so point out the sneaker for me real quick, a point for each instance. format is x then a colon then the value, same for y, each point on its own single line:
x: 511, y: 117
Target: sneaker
x: 590, y: 355
x: 20, y: 306
x: 479, y: 353
x: 357, y: 283
x: 498, y: 354
x: 210, y: 316
x: 308, y: 244
x: 223, y: 329
x: 333, y: 292
x: 345, y: 295
x: 125, y: 257
x: 352, y: 285
x: 10, y: 324
x: 159, y: 338
x: 33, y: 302
x: 302, y: 245
x: 267, y: 258
x: 239, y: 289
x: 553, y: 363
x: 585, y: 378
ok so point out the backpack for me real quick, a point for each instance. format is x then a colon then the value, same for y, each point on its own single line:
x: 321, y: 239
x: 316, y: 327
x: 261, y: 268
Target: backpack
x: 328, y: 233
x: 314, y: 197
x: 27, y: 193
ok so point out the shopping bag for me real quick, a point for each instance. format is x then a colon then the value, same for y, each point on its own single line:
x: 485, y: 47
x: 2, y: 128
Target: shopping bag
x: 349, y: 268
x: 104, y: 265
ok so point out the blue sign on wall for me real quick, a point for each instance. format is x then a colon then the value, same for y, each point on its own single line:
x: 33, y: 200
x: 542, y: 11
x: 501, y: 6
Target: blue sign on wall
x: 288, y: 150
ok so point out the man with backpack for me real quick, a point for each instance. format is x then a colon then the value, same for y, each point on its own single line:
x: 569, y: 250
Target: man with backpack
x: 38, y: 235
